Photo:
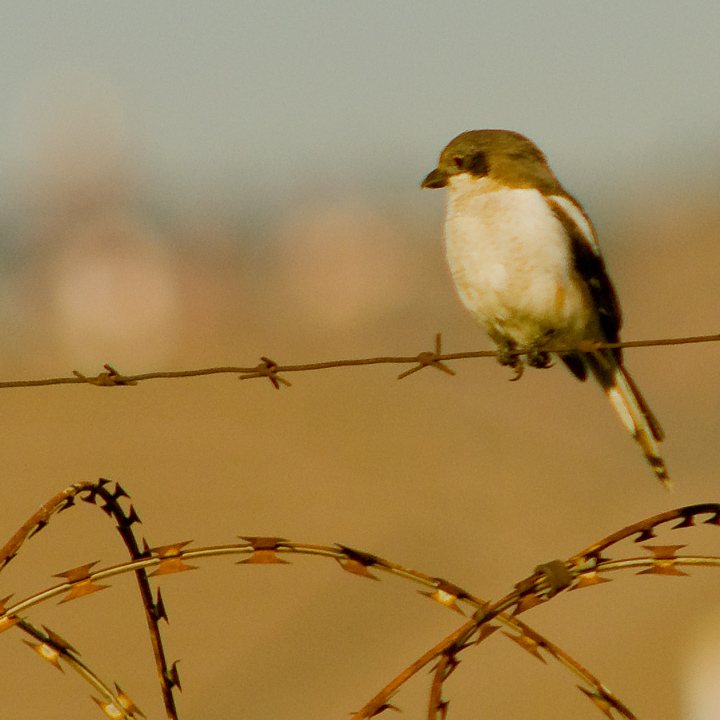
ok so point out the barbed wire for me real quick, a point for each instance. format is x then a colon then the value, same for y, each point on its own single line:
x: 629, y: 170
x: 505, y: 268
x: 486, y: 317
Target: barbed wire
x: 49, y: 645
x: 584, y: 569
x: 168, y: 559
x: 271, y: 370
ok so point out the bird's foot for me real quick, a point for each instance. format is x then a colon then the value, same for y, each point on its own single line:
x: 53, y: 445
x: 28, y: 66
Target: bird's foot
x: 539, y: 359
x: 508, y: 357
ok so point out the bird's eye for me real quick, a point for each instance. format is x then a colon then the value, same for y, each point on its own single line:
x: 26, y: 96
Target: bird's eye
x: 458, y: 162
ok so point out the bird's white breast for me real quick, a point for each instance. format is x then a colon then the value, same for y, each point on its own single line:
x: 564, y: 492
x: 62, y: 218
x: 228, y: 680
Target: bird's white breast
x: 511, y: 260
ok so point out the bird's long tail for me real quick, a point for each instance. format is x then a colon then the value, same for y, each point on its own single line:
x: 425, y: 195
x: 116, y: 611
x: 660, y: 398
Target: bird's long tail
x: 631, y: 407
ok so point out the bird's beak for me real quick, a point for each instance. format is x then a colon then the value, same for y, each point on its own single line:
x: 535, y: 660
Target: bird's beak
x: 436, y: 179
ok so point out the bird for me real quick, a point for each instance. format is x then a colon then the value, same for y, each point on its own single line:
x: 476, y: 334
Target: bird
x: 527, y: 265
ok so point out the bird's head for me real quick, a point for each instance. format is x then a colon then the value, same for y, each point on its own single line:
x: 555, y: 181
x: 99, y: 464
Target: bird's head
x: 502, y: 155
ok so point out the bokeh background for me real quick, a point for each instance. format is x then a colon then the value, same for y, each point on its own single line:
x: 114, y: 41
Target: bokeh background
x: 192, y: 184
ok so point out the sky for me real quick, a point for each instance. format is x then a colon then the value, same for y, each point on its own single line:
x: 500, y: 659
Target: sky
x: 270, y: 93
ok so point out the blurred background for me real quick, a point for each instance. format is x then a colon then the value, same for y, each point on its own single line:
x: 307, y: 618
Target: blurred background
x: 195, y: 184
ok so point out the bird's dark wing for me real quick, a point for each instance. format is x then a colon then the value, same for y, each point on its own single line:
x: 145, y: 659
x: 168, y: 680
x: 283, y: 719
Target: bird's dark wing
x: 590, y: 266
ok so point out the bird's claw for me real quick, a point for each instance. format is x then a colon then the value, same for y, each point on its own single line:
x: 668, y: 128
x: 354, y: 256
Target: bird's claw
x: 540, y: 359
x: 508, y: 357
x: 519, y: 369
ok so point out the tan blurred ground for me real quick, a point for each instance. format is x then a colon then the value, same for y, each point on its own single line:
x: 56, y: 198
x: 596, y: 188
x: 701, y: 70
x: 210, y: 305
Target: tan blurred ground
x: 470, y: 478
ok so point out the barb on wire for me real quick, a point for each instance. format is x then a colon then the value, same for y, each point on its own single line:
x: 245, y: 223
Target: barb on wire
x: 271, y: 370
x: 267, y: 368
x: 429, y: 359
x: 51, y: 647
x: 110, y: 378
x: 438, y: 706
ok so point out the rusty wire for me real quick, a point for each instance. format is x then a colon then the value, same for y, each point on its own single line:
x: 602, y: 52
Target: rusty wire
x: 584, y: 569
x: 267, y: 368
x: 49, y: 645
x: 83, y: 580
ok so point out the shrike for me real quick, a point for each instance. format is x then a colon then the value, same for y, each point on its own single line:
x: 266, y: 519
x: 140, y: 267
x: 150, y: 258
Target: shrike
x: 526, y: 263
